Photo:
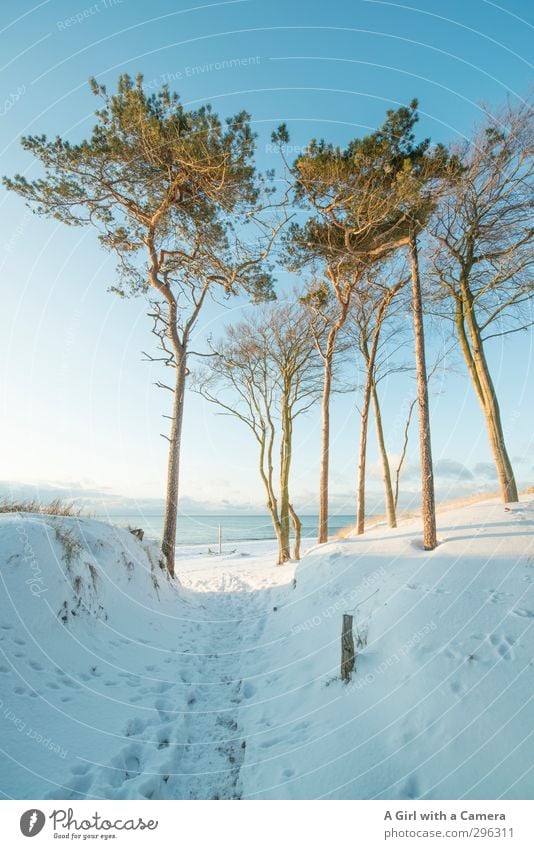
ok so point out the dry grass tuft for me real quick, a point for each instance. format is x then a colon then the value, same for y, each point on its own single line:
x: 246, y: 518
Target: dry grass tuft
x: 57, y: 507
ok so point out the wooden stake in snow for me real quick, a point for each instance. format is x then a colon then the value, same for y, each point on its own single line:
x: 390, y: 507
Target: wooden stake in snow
x: 348, y: 660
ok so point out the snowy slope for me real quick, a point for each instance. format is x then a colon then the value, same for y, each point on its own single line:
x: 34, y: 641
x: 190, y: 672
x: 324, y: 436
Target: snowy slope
x: 82, y: 605
x: 116, y: 683
x: 441, y: 702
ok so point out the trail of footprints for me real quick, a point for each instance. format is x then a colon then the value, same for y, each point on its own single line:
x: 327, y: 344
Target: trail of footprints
x: 187, y: 743
x: 181, y: 748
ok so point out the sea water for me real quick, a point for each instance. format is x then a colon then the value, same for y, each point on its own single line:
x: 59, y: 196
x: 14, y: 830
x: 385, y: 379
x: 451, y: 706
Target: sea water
x: 203, y: 529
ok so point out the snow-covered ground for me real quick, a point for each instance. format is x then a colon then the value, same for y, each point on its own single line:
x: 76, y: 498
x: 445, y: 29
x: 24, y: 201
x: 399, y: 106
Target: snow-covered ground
x: 116, y: 683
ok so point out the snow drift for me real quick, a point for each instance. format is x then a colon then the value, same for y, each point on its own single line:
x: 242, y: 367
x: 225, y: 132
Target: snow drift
x: 440, y: 705
x: 79, y: 598
x: 116, y: 683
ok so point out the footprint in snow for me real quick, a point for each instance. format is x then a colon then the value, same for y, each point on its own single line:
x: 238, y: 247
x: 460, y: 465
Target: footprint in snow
x: 125, y: 766
x: 80, y: 769
x: 524, y: 613
x: 453, y: 651
x: 496, y: 597
x: 503, y: 645
x: 165, y: 709
x: 272, y: 741
x: 136, y: 726
x: 164, y: 736
x: 457, y: 687
x: 80, y: 787
x: 410, y: 789
x: 249, y: 690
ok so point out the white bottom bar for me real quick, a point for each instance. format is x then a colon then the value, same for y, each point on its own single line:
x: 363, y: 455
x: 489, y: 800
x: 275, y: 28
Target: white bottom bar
x: 270, y: 825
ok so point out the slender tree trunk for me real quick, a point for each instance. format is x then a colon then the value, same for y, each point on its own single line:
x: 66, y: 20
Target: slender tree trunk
x: 475, y: 357
x: 325, y: 450
x: 391, y: 513
x: 362, y: 457
x: 168, y: 545
x: 328, y: 360
x: 285, y: 465
x: 428, y: 505
x: 266, y: 454
x: 403, y: 452
x: 370, y: 359
x: 273, y: 509
x: 297, y: 529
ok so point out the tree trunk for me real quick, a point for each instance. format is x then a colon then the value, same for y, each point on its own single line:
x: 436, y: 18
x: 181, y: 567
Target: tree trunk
x: 325, y: 450
x: 266, y: 454
x: 328, y: 359
x: 475, y: 357
x: 168, y: 545
x: 428, y: 505
x: 370, y: 358
x: 297, y: 528
x: 403, y: 452
x: 362, y: 458
x: 285, y: 466
x: 391, y: 513
x: 273, y: 509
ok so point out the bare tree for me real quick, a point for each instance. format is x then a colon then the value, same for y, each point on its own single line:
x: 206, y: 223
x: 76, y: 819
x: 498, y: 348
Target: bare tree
x: 167, y: 190
x: 484, y: 257
x: 328, y: 317
x: 371, y: 309
x: 266, y: 373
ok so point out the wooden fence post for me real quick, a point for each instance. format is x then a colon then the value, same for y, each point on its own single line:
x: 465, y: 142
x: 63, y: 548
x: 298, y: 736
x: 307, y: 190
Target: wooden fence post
x: 348, y: 660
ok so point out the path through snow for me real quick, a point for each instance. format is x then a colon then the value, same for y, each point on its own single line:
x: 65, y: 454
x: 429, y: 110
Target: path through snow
x: 187, y: 741
x: 115, y: 683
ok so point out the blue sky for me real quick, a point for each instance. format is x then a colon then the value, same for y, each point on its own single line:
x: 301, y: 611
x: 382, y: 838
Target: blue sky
x: 79, y: 409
